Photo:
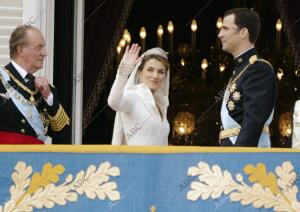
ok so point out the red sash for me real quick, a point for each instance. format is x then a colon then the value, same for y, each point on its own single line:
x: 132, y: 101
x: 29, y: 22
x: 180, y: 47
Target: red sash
x: 18, y: 138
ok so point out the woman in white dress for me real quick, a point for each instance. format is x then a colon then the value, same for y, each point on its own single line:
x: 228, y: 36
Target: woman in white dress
x: 141, y: 101
x: 296, y: 126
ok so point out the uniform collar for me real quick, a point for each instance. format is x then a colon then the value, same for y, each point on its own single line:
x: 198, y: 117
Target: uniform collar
x: 13, y: 70
x: 244, y: 57
x: 20, y: 70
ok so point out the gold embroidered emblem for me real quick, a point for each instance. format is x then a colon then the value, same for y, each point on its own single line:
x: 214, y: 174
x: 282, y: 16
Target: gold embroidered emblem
x: 236, y: 96
x: 46, y: 189
x: 231, y: 105
x: 240, y: 60
x: 276, y: 190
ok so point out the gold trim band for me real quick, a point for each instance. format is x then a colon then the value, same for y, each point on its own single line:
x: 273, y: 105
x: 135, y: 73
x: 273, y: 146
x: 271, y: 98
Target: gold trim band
x: 100, y: 149
x: 60, y: 120
x: 235, y: 132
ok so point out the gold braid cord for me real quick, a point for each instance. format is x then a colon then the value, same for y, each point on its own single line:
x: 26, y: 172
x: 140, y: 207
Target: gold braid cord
x: 60, y: 120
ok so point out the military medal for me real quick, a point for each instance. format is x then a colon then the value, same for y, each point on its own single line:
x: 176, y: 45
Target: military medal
x: 231, y: 105
x: 29, y: 115
x: 236, y: 96
x: 232, y: 88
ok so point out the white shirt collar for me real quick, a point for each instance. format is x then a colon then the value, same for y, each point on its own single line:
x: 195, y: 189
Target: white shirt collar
x: 21, y: 70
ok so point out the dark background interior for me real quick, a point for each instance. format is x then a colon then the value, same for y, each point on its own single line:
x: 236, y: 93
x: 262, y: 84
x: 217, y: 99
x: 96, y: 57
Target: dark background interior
x: 188, y: 92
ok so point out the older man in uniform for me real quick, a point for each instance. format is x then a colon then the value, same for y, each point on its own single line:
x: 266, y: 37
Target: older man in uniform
x: 249, y: 100
x: 29, y: 107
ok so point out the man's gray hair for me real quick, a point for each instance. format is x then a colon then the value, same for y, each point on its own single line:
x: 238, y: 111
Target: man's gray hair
x: 18, y: 38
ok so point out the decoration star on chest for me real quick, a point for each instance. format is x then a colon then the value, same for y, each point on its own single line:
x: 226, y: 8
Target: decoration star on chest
x: 232, y: 88
x: 236, y: 96
x: 230, y: 105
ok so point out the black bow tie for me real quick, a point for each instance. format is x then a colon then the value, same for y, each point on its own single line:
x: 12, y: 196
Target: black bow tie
x: 30, y: 81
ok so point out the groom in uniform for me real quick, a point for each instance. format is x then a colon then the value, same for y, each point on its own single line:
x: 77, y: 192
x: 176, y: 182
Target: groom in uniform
x: 249, y: 100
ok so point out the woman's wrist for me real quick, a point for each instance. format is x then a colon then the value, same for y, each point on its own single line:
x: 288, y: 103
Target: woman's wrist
x: 125, y: 69
x: 123, y: 63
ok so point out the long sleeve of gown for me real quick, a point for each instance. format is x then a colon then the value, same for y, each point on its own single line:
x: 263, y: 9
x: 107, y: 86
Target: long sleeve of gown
x: 119, y: 99
x: 296, y: 126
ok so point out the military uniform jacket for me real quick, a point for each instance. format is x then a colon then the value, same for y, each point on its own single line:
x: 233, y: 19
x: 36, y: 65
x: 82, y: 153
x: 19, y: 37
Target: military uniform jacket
x: 54, y: 118
x: 251, y: 98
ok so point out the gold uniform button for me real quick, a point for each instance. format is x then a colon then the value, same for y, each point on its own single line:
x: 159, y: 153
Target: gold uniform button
x: 23, y: 121
x: 22, y: 131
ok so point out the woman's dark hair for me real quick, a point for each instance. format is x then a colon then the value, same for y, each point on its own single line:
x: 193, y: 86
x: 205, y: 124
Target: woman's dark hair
x: 161, y: 59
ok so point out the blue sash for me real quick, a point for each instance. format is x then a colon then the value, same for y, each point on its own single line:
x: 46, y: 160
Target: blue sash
x: 228, y: 123
x: 29, y: 111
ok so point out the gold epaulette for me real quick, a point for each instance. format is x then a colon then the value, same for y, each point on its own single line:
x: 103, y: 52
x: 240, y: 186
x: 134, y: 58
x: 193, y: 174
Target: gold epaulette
x: 60, y: 120
x: 254, y: 59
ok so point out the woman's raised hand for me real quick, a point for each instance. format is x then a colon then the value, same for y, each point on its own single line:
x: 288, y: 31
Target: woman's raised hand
x: 131, y: 55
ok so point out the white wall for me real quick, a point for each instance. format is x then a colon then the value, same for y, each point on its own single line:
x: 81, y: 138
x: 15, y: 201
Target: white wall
x: 11, y: 15
x: 39, y: 13
x: 78, y: 72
